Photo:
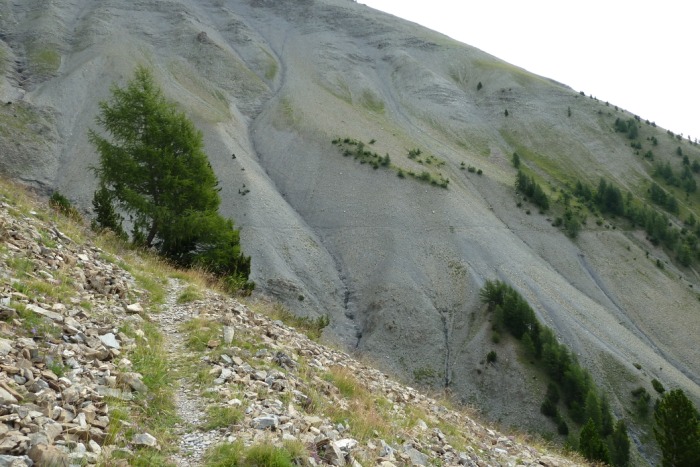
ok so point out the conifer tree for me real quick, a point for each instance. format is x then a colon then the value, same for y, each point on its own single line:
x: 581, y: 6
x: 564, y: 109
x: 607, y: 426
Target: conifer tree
x: 153, y: 168
x: 677, y: 430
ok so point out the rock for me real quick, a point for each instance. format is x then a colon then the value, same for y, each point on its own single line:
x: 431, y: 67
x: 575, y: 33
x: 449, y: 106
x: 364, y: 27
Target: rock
x: 329, y: 452
x: 145, y: 439
x: 549, y: 461
x: 417, y: 457
x: 109, y: 340
x: 46, y: 313
x: 43, y: 454
x: 6, y: 397
x: 133, y: 381
x: 15, y: 461
x: 228, y: 335
x: 94, y: 447
x: 5, y: 347
x: 134, y: 308
x: 213, y: 343
x: 266, y: 421
x: 14, y: 442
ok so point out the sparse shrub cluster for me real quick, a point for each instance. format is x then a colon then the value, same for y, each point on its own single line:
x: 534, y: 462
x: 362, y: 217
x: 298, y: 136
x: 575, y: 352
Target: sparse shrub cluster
x: 569, y: 381
x: 415, y: 153
x: 685, y: 180
x: 630, y: 127
x: 358, y: 150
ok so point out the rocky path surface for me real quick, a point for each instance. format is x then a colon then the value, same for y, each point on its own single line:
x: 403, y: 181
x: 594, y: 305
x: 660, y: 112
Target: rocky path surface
x: 190, y: 404
x: 72, y: 322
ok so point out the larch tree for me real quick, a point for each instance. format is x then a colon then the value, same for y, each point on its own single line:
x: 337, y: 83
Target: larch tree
x: 153, y: 168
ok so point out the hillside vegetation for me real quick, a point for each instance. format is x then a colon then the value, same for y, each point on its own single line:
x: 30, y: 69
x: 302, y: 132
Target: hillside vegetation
x: 394, y: 242
x: 109, y: 356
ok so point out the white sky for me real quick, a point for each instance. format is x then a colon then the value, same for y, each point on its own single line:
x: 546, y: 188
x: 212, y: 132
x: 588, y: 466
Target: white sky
x: 640, y: 55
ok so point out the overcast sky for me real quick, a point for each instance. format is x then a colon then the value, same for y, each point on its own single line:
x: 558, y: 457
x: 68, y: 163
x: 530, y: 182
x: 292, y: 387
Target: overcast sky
x: 640, y: 55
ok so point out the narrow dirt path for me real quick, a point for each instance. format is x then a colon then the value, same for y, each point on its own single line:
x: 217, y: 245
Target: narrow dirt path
x: 190, y: 404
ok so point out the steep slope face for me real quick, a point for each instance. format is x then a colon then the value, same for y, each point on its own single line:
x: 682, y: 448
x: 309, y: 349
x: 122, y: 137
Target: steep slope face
x: 396, y: 263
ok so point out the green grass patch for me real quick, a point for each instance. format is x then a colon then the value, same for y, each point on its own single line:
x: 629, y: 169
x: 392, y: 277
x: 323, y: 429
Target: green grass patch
x: 372, y: 102
x: 259, y: 455
x: 44, y: 60
x: 154, y: 287
x: 21, y: 267
x: 226, y: 455
x: 343, y: 379
x: 220, y: 417
x: 154, y: 411
x: 532, y: 159
x: 15, y: 120
x: 312, y: 327
x: 200, y: 332
x: 190, y: 294
x: 36, y: 325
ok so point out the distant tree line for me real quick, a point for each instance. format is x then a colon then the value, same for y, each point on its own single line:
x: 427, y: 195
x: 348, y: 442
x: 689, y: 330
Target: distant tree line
x: 600, y: 438
x: 609, y: 199
x: 529, y: 187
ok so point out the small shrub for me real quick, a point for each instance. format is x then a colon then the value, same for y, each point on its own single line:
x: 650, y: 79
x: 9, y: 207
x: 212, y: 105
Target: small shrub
x: 190, y: 294
x: 495, y: 337
x: 479, y: 86
x: 491, y: 357
x: 637, y: 366
x: 562, y: 427
x: 221, y: 417
x: 61, y: 204
x: 549, y: 408
x: 343, y: 379
x: 658, y: 387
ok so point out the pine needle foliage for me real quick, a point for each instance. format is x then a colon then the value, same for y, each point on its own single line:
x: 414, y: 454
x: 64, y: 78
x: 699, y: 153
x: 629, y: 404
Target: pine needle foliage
x: 153, y: 168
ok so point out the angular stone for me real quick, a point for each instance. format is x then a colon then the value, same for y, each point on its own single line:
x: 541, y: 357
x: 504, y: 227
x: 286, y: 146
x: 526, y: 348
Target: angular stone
x: 214, y: 343
x: 330, y: 453
x: 133, y: 381
x: 134, y: 308
x: 94, y: 447
x: 15, y: 461
x: 145, y: 439
x: 14, y: 442
x: 6, y: 347
x: 6, y: 397
x: 417, y: 457
x: 228, y: 334
x: 110, y: 340
x: 52, y: 315
x: 266, y: 421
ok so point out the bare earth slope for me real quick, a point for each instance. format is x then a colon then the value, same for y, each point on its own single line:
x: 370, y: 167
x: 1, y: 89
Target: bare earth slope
x: 396, y: 263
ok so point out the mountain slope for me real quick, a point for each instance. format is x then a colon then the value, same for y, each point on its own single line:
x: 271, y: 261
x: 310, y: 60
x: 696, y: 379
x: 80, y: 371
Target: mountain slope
x: 397, y: 263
